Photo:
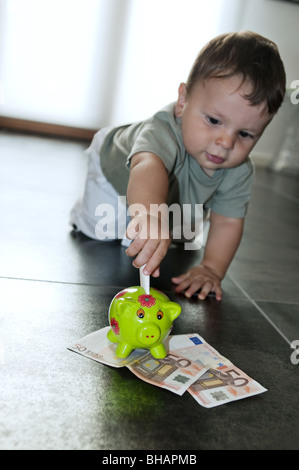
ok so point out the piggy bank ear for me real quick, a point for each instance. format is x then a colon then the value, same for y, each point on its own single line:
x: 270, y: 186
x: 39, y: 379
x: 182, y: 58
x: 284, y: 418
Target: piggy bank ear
x: 173, y: 309
x: 124, y: 305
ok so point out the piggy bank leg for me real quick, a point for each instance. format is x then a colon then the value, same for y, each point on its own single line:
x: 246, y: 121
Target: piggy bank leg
x: 111, y: 336
x: 123, y: 350
x: 159, y: 352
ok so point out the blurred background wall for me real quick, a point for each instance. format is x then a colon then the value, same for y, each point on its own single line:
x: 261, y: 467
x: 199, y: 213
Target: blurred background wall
x: 92, y: 63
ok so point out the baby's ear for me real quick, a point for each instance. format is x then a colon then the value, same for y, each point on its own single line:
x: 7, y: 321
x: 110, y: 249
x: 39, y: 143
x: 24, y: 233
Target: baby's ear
x: 181, y: 101
x: 173, y: 309
x: 125, y: 306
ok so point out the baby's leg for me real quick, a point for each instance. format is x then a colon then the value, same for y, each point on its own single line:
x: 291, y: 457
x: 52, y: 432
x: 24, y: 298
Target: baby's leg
x: 100, y: 213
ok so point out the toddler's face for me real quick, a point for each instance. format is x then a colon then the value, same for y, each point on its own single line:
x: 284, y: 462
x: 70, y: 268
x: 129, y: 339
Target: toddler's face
x: 220, y: 127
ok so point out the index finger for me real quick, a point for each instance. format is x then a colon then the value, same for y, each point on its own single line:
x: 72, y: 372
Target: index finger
x: 151, y: 255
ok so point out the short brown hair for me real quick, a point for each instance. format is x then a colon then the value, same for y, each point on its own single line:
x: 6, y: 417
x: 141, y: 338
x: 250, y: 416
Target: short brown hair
x: 250, y: 55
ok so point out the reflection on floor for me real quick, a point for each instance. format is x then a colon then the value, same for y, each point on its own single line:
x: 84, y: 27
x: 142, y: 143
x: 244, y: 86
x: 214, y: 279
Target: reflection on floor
x: 56, y: 287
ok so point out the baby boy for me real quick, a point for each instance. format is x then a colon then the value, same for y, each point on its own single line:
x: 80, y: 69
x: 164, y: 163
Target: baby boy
x: 193, y: 151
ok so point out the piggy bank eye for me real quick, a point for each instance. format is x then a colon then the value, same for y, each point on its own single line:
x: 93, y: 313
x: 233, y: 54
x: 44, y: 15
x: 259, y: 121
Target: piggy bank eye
x: 160, y: 315
x: 140, y: 313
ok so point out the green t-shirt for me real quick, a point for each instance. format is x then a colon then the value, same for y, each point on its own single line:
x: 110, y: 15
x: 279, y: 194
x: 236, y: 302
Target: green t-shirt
x: 227, y: 192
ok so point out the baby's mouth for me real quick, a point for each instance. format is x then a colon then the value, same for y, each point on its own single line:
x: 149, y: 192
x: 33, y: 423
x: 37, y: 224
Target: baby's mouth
x: 215, y: 159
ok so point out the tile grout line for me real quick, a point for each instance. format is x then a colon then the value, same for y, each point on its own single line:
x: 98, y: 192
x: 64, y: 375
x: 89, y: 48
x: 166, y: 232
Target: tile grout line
x: 49, y: 281
x: 115, y: 287
x: 285, y: 302
x: 261, y: 311
x: 70, y: 283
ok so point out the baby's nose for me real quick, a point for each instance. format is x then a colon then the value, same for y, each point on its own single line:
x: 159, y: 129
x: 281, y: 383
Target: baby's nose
x: 226, y: 141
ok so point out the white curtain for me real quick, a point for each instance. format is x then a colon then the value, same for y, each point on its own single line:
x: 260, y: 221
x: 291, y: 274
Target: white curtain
x: 92, y: 63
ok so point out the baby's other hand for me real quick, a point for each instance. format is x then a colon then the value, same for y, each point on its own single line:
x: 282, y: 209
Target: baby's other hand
x: 200, y: 277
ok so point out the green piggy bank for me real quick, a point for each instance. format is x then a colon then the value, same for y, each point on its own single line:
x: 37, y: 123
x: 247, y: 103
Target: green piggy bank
x: 141, y: 321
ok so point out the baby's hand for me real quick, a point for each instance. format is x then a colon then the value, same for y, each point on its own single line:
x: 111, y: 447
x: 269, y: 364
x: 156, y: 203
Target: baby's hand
x: 200, y: 277
x: 151, y: 240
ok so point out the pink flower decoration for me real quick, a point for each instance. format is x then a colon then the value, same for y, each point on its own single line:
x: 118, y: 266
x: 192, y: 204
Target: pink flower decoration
x: 114, y: 325
x: 146, y: 300
x: 120, y: 294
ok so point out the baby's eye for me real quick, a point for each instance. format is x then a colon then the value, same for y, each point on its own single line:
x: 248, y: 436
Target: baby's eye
x: 213, y: 121
x: 245, y: 135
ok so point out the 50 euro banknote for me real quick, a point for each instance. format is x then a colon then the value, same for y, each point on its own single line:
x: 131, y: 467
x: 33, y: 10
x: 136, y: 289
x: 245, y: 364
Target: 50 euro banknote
x: 222, y: 382
x: 191, y: 365
x: 174, y: 373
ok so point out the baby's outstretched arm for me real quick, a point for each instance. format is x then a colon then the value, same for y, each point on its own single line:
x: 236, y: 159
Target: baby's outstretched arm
x: 224, y: 238
x: 149, y: 230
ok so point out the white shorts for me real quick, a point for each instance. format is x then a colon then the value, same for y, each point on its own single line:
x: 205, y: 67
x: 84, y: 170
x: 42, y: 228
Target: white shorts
x: 87, y: 214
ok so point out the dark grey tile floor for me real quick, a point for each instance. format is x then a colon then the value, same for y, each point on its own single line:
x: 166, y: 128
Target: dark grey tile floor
x: 56, y: 286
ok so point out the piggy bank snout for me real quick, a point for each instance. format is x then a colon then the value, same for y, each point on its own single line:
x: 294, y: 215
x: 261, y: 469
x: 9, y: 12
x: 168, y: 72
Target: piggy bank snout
x: 148, y: 333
